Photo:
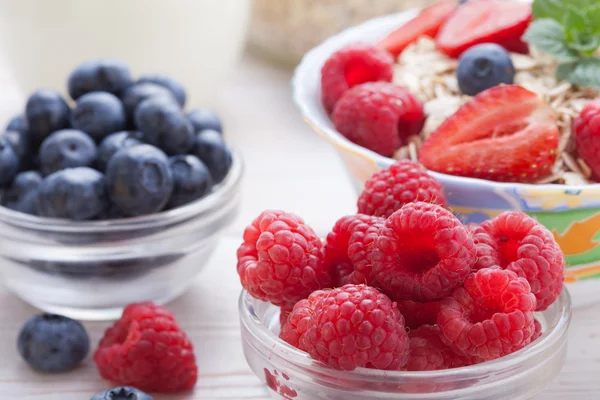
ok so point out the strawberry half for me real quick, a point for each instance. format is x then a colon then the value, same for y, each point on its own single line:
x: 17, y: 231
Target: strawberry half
x: 505, y: 134
x: 485, y: 21
x: 427, y: 23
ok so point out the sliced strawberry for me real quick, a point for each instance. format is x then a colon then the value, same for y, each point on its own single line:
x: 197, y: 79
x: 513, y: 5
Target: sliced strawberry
x: 505, y: 134
x: 484, y: 21
x: 427, y: 23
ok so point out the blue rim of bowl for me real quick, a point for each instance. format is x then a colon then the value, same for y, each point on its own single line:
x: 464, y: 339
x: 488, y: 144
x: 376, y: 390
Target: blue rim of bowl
x: 221, y: 193
x: 308, y: 70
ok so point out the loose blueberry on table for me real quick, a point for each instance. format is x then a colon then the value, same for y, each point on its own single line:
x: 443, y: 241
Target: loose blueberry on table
x: 107, y: 157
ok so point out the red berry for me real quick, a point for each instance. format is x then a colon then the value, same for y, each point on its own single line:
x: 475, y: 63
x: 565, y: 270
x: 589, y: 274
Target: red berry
x: 422, y: 253
x: 484, y: 21
x: 298, y: 320
x: 586, y: 129
x: 402, y: 183
x: 147, y: 349
x: 357, y: 326
x: 347, y: 248
x: 427, y: 23
x: 419, y: 314
x: 538, y: 330
x: 352, y: 65
x: 529, y: 249
x: 505, y: 134
x: 378, y: 116
x: 281, y: 259
x: 491, y: 316
x: 486, y: 246
x: 284, y: 313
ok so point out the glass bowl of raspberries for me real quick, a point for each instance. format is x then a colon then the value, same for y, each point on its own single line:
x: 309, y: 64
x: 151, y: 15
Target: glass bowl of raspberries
x: 500, y: 119
x: 115, y: 195
x: 403, y: 300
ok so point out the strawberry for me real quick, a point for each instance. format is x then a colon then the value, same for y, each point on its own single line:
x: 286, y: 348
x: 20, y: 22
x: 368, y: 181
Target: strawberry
x: 586, y: 128
x: 426, y: 23
x: 485, y: 21
x: 505, y: 134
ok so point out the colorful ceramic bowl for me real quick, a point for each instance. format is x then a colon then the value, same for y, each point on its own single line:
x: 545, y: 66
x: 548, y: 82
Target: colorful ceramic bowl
x: 572, y: 213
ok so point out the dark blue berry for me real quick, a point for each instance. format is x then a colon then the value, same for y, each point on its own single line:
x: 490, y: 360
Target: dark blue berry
x: 19, y: 142
x: 21, y: 195
x: 164, y: 125
x: 139, y: 92
x: 112, y: 212
x: 114, y: 142
x: 67, y: 148
x: 105, y: 75
x: 203, y: 119
x: 122, y: 393
x: 175, y: 87
x: 192, y: 180
x: 53, y: 343
x: 46, y: 112
x: 139, y: 180
x: 212, y: 150
x: 99, y: 114
x: 484, y: 66
x: 9, y: 162
x: 73, y: 193
x: 17, y: 123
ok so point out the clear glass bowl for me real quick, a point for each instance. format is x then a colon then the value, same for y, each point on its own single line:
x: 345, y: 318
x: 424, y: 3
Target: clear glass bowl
x: 292, y: 374
x: 91, y: 270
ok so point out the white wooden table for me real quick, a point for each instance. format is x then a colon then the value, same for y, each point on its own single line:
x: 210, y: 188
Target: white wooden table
x: 287, y: 167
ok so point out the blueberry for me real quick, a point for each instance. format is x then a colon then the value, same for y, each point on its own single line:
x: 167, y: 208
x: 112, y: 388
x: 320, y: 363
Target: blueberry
x: 105, y: 75
x: 139, y: 180
x: 9, y: 162
x: 112, y: 212
x: 114, y: 142
x: 192, y: 180
x: 67, y: 148
x: 99, y: 114
x: 484, y: 66
x: 46, y: 112
x: 212, y: 150
x: 19, y: 142
x: 139, y: 92
x: 18, y: 123
x: 122, y: 393
x: 21, y: 195
x: 164, y: 125
x: 175, y: 87
x: 202, y: 119
x: 53, y: 343
x: 73, y: 193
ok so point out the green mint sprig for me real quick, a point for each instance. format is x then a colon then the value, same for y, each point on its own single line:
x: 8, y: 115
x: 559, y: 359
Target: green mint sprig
x: 569, y: 30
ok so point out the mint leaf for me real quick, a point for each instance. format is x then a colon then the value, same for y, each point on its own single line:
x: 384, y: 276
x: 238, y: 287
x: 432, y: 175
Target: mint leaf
x: 584, y: 42
x: 585, y: 72
x: 549, y: 36
x: 593, y: 17
x: 553, y: 9
x: 573, y: 22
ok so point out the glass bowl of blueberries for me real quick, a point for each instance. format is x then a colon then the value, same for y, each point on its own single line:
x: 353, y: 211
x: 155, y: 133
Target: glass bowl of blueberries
x: 114, y: 195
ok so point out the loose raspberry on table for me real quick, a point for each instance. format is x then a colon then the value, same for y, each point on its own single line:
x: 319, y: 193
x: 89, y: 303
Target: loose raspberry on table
x: 422, y: 253
x: 529, y: 249
x: 281, y: 259
x: 490, y: 316
x: 419, y: 314
x: 348, y: 247
x: 350, y: 66
x: 357, y: 326
x: 402, y: 183
x: 486, y: 246
x: 298, y: 320
x: 379, y: 116
x: 586, y: 129
x: 146, y: 349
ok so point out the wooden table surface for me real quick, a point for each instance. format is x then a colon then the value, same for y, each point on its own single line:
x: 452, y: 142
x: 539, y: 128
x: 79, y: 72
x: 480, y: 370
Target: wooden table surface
x: 287, y: 167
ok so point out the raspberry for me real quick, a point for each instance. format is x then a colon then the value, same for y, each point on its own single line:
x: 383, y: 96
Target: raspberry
x: 491, y: 316
x: 529, y: 249
x: 298, y: 320
x: 402, y: 183
x: 281, y: 259
x: 538, y: 330
x: 284, y: 313
x: 487, y: 247
x: 429, y: 353
x: 357, y: 326
x: 147, y: 349
x: 348, y: 248
x: 379, y: 116
x: 419, y: 314
x: 422, y: 253
x: 352, y: 65
x: 586, y: 128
